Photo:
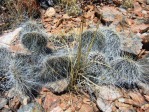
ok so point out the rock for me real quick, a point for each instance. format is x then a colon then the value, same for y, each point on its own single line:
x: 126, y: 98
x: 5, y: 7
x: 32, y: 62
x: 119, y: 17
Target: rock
x: 128, y: 101
x: 50, y: 12
x: 7, y: 39
x: 110, y: 13
x: 120, y: 104
x: 108, y: 93
x: 65, y: 16
x: 58, y: 86
x: 26, y: 100
x: 31, y: 107
x: 126, y: 109
x: 105, y: 106
x: 137, y: 8
x: 3, y: 102
x: 132, y: 43
x: 86, y: 108
x: 56, y: 109
x: 141, y: 28
x: 86, y: 101
x: 146, y: 97
x: 137, y: 97
x: 51, y: 101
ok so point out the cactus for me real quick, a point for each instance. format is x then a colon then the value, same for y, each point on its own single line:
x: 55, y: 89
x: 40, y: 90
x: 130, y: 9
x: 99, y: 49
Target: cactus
x: 23, y: 75
x: 5, y: 57
x: 6, y: 81
x: 112, y: 47
x: 34, y: 41
x: 144, y: 65
x: 91, y: 36
x: 55, y: 67
x: 30, y: 26
x: 95, y: 65
x: 123, y: 71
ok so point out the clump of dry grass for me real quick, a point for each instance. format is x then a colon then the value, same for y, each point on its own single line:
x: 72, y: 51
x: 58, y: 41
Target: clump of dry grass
x: 16, y: 11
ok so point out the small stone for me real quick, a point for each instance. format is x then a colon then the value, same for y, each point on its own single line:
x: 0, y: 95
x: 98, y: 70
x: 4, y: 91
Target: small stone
x: 108, y: 93
x: 144, y: 12
x: 137, y: 97
x: 3, y: 102
x: 105, y: 106
x: 65, y: 16
x: 86, y: 108
x: 57, y: 109
x: 137, y: 7
x: 26, y: 100
x: 121, y: 100
x: 120, y: 104
x: 128, y: 101
x: 58, y: 86
x: 86, y: 101
x: 141, y: 28
x: 50, y: 12
x: 125, y: 109
x: 146, y: 97
x: 110, y: 13
x: 51, y: 101
x: 7, y: 39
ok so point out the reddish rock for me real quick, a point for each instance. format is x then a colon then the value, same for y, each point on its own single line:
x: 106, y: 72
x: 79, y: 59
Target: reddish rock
x: 109, y: 13
x: 146, y: 97
x: 105, y: 106
x: 86, y: 101
x: 126, y: 109
x: 137, y: 97
x: 137, y: 8
x: 51, y: 101
x: 120, y: 104
x: 141, y: 28
x: 56, y: 109
x: 128, y: 101
x: 108, y: 93
x: 86, y: 108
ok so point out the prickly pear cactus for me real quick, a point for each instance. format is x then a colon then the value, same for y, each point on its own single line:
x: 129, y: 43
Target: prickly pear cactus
x: 93, y: 39
x: 34, y: 41
x: 101, y: 61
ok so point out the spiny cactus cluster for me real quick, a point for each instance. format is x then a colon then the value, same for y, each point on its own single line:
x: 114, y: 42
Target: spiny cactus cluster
x: 102, y: 61
x: 108, y: 64
x: 25, y: 73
